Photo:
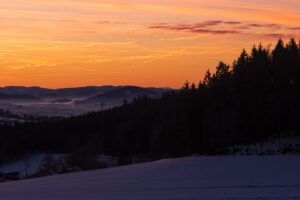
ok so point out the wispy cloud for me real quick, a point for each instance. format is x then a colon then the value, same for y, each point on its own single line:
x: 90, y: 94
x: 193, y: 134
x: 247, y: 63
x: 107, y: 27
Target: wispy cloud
x: 206, y: 27
x: 226, y: 27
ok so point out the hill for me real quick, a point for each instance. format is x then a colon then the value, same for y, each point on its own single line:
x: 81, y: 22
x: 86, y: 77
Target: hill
x: 69, y: 101
x: 119, y: 94
x: 18, y: 97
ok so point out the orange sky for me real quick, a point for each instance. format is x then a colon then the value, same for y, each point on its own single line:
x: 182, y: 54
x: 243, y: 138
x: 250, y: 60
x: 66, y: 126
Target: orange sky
x: 69, y: 43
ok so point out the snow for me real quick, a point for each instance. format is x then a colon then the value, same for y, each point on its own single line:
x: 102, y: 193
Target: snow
x: 4, y: 120
x: 191, y: 178
x: 31, y: 164
x: 108, y: 160
x: 283, y: 145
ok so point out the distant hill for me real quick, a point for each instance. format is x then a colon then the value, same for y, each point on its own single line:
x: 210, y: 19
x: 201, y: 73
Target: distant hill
x: 84, y: 91
x: 61, y: 101
x: 18, y: 97
x: 37, y: 91
x: 122, y: 93
x: 80, y: 92
x: 55, y: 93
x: 69, y: 101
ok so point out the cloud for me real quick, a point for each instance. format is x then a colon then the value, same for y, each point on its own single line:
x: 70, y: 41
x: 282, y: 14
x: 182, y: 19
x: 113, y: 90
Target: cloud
x: 100, y: 22
x: 215, y: 31
x: 296, y: 28
x: 232, y: 22
x: 269, y: 26
x: 227, y: 27
x: 205, y: 28
x: 274, y: 35
x: 211, y: 23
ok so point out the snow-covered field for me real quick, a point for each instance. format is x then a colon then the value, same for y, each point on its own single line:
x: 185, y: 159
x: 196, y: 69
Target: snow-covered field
x: 231, y: 177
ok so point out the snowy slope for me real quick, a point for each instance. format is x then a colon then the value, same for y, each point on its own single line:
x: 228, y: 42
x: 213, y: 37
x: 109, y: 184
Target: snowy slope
x: 234, y: 177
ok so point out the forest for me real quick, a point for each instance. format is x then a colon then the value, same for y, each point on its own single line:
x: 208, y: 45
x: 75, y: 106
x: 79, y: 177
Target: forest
x: 255, y: 98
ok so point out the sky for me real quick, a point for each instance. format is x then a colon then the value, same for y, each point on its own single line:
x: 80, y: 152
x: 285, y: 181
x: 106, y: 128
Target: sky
x: 159, y: 43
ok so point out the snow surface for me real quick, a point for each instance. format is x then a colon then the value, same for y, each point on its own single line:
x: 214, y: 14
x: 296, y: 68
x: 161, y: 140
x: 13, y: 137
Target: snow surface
x: 283, y: 145
x: 191, y: 178
x: 31, y: 164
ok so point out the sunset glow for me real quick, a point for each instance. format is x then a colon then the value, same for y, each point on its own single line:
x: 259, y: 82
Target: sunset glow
x: 69, y: 43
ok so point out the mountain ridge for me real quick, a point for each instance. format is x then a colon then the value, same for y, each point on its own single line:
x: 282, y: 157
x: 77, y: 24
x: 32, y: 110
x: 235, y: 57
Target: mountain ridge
x: 45, y: 101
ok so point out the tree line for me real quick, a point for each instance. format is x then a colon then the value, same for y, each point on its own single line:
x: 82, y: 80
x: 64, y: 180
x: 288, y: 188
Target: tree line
x: 253, y: 99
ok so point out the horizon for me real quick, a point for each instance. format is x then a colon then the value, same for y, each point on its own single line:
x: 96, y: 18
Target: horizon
x: 85, y: 86
x: 67, y: 44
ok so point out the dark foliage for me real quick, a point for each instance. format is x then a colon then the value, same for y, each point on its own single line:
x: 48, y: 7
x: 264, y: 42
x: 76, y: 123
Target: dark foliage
x: 254, y: 99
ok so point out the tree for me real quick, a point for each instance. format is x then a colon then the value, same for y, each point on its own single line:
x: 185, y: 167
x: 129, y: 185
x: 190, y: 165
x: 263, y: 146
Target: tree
x: 222, y: 72
x: 102, y: 106
x: 186, y: 85
x: 207, y: 81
